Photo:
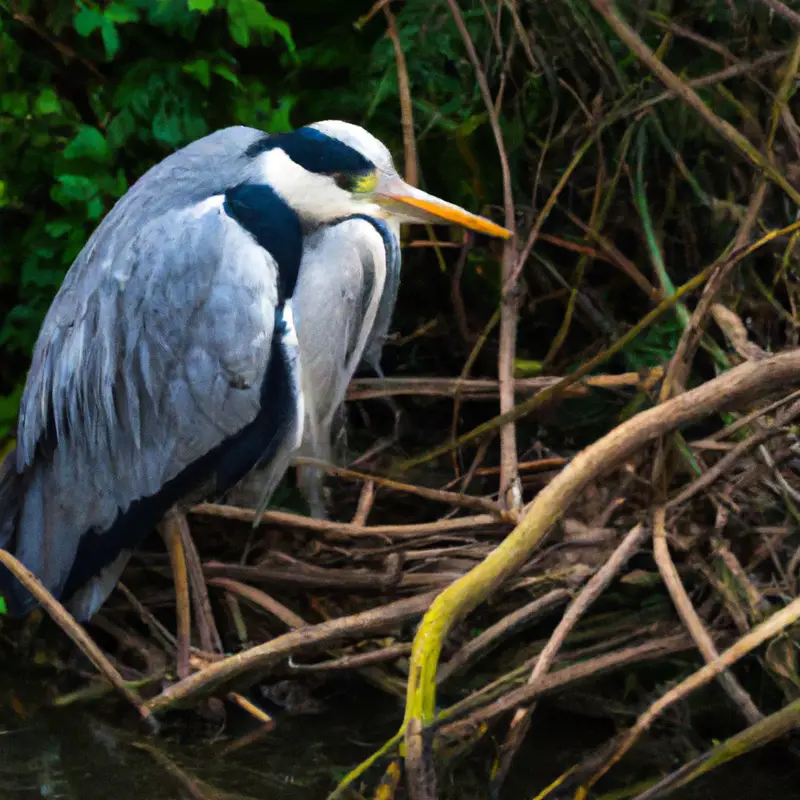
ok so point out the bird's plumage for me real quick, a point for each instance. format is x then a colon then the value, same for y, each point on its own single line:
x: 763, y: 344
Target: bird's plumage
x: 160, y: 368
x: 153, y: 355
x: 169, y: 366
x: 354, y: 265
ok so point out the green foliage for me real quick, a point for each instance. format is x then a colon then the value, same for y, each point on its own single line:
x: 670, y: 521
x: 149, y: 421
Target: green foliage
x: 655, y: 346
x: 90, y: 97
x: 93, y: 93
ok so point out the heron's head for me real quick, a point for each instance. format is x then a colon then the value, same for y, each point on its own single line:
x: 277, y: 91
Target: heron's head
x: 333, y: 169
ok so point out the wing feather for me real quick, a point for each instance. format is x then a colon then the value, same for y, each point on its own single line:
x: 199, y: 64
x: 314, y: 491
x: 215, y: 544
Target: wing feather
x: 163, y: 362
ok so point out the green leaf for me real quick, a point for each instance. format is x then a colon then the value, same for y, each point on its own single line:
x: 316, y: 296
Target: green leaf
x: 95, y: 208
x: 238, y: 24
x: 110, y: 38
x: 199, y: 70
x: 121, y: 128
x: 280, y: 122
x: 283, y: 30
x: 14, y: 103
x: 245, y: 16
x: 203, y: 6
x: 225, y: 73
x: 120, y: 14
x: 88, y: 143
x: 167, y: 128
x: 525, y: 368
x: 3, y: 606
x: 3, y: 198
x: 72, y: 188
x: 47, y: 102
x: 58, y: 228
x: 87, y: 21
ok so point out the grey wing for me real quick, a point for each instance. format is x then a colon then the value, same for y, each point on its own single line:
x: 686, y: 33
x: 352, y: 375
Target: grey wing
x: 184, y: 179
x: 159, y: 365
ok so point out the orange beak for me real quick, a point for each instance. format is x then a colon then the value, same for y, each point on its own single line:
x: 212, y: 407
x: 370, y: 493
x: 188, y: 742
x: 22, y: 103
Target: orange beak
x: 407, y: 204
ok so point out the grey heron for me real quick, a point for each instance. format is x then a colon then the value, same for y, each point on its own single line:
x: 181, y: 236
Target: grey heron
x: 168, y: 366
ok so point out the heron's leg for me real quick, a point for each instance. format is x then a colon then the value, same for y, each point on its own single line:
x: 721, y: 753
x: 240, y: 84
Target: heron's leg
x: 207, y: 631
x: 170, y: 530
x: 311, y: 481
x: 399, y: 418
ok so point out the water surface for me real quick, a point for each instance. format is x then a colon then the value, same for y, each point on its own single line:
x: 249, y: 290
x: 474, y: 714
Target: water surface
x: 79, y: 753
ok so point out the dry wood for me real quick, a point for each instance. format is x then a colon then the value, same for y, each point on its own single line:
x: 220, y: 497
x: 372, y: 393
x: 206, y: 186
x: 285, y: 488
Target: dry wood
x: 554, y: 681
x: 261, y: 600
x: 65, y: 621
x: 388, y: 653
x: 778, y: 622
x: 484, y: 388
x: 483, y: 523
x: 260, y: 658
x: 437, y: 495
x: 509, y: 624
x: 510, y: 488
x: 744, y: 382
x: 577, y: 608
x: 691, y: 619
x: 169, y: 528
x: 204, y: 617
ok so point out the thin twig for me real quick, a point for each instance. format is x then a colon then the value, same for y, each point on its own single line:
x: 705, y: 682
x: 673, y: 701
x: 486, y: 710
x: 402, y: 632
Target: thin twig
x: 169, y: 528
x: 510, y: 488
x: 547, y: 395
x: 691, y: 619
x: 757, y: 735
x: 778, y: 622
x: 640, y: 49
x: 261, y: 600
x: 65, y: 621
x: 449, y: 723
x: 404, y: 92
x: 784, y: 11
x: 577, y: 608
x: 206, y: 626
x: 437, y: 495
x: 733, y: 456
x: 346, y: 530
x: 483, y: 388
x: 389, y: 653
x: 510, y: 624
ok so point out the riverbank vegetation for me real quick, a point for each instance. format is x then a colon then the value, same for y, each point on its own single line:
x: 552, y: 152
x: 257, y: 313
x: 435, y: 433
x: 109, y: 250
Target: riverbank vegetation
x: 593, y: 498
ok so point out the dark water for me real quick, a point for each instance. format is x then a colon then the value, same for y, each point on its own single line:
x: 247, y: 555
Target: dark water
x: 72, y: 754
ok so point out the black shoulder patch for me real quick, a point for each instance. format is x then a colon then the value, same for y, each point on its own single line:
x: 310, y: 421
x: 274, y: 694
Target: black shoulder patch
x: 271, y: 222
x: 314, y: 151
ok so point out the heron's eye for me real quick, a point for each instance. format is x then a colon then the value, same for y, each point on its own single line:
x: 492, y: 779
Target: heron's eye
x: 358, y: 184
x: 366, y: 183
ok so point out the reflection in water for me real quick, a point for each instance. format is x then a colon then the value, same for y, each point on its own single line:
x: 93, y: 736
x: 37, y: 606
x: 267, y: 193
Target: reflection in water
x: 69, y: 754
x: 73, y: 754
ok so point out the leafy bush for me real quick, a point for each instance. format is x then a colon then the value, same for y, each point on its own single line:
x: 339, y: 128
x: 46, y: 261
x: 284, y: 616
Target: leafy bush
x: 94, y: 93
x: 91, y: 96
